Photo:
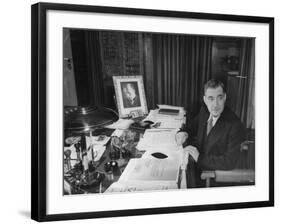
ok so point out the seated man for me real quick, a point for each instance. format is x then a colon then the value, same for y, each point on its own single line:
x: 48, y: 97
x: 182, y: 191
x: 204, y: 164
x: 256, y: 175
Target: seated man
x: 214, y: 136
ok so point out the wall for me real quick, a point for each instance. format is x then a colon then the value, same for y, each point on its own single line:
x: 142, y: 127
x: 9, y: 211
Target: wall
x: 69, y: 89
x: 15, y: 110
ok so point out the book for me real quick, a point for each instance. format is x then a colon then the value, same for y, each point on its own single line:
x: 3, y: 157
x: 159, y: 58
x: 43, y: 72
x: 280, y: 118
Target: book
x: 141, y: 125
x: 168, y: 111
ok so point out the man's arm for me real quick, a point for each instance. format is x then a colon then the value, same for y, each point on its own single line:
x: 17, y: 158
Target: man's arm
x: 192, y: 129
x: 227, y: 160
x: 186, y: 135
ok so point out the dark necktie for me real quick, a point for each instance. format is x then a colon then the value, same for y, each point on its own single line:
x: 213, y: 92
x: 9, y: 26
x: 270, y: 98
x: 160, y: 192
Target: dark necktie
x: 209, y: 125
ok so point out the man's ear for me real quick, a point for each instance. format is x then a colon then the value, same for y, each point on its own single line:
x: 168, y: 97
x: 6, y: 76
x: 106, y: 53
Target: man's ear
x: 204, y: 99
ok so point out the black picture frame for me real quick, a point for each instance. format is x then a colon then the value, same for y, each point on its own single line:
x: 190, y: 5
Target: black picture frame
x: 39, y: 109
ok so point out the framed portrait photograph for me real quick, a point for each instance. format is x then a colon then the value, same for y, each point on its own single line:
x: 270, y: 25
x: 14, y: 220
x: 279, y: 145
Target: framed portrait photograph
x: 140, y: 111
x: 130, y: 95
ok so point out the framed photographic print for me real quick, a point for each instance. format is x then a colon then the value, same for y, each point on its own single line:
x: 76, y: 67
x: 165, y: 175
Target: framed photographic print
x: 219, y: 68
x: 130, y: 95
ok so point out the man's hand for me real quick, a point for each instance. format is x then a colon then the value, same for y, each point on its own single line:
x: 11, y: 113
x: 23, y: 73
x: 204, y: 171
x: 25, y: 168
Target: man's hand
x: 181, y: 137
x: 192, y: 151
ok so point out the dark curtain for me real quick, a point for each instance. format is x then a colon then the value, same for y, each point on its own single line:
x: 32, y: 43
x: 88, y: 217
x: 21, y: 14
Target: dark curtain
x: 181, y: 65
x: 94, y: 64
x: 79, y: 66
x: 245, y: 106
x: 87, y: 67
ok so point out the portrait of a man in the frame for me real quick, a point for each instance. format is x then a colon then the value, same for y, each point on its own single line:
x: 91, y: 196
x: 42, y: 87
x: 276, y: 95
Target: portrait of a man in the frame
x: 130, y: 94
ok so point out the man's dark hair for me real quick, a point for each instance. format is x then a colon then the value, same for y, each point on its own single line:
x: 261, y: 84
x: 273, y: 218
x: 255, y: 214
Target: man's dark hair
x: 213, y: 84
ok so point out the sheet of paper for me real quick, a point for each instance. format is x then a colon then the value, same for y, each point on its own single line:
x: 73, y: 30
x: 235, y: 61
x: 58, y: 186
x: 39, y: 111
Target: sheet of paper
x: 146, y: 169
x: 121, y: 124
x: 158, y: 138
x: 117, y: 133
x: 97, y: 140
x: 97, y: 153
x: 172, y: 124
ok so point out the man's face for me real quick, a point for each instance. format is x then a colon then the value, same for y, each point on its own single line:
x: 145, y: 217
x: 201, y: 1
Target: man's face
x: 131, y: 92
x: 215, y: 100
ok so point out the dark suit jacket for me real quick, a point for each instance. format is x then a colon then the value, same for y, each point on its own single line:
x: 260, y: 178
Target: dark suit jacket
x: 221, y: 148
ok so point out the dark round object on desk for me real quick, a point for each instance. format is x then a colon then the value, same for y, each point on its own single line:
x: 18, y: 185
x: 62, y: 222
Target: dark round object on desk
x: 84, y: 119
x: 159, y: 155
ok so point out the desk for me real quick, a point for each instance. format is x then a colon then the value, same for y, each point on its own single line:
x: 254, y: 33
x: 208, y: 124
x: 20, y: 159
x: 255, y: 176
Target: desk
x: 73, y: 176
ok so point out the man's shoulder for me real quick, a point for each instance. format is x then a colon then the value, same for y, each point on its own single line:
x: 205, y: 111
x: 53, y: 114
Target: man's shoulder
x: 230, y: 117
x: 229, y: 114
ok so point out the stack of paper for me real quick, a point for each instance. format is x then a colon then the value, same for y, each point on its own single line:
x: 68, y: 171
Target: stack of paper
x: 158, y: 138
x: 162, y: 106
x: 167, y: 121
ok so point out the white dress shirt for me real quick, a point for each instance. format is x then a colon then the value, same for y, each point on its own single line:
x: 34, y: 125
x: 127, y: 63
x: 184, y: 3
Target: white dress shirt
x: 214, y: 119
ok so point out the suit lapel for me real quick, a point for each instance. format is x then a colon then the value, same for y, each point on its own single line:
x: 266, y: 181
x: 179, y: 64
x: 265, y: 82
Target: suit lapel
x: 215, y: 134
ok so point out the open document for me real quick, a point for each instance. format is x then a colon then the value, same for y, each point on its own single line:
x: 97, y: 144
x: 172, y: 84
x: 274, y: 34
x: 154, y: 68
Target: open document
x: 148, y: 174
x: 147, y: 169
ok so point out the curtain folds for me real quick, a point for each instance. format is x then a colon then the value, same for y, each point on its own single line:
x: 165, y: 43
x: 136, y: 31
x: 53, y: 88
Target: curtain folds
x: 87, y: 67
x: 245, y: 106
x: 181, y: 65
x: 93, y: 55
